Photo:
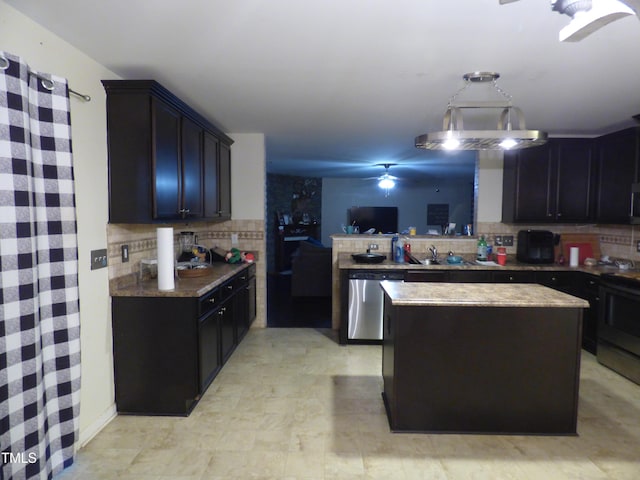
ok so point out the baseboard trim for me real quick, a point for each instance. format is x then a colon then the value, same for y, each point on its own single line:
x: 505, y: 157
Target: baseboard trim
x: 92, y: 430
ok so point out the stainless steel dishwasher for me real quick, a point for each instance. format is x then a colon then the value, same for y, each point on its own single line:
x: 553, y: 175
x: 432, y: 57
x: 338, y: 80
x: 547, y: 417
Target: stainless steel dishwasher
x: 366, y: 303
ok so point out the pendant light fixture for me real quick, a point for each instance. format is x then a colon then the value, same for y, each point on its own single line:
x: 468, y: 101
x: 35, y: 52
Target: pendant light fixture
x: 510, y: 131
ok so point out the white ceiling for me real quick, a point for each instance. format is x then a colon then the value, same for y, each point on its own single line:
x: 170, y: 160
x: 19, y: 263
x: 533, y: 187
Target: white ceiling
x: 337, y: 86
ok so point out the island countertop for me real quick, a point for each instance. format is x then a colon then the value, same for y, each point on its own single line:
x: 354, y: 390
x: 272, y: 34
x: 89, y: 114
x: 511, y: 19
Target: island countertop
x: 478, y: 295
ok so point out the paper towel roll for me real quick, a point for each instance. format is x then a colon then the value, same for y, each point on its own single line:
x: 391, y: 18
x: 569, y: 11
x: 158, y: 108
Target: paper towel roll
x: 574, y: 256
x: 165, y: 259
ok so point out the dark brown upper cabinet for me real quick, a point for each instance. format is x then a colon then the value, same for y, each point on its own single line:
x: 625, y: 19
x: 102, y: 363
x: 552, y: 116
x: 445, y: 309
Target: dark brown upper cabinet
x: 553, y: 183
x: 166, y: 161
x: 618, y: 165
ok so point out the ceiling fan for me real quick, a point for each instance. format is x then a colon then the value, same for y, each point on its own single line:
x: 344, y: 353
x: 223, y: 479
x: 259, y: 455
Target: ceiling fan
x: 587, y: 16
x: 386, y: 181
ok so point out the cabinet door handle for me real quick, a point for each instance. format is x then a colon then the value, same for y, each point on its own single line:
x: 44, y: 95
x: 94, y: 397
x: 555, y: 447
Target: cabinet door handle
x: 229, y: 287
x: 212, y: 300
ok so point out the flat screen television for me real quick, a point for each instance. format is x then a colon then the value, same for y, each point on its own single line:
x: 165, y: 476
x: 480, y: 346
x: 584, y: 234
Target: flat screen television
x: 383, y: 219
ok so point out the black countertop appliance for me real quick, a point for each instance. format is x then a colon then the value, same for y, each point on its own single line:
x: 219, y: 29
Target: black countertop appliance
x: 535, y: 246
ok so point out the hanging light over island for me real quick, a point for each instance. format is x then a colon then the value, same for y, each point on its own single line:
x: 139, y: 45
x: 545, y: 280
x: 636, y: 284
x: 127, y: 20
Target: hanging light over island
x: 510, y: 132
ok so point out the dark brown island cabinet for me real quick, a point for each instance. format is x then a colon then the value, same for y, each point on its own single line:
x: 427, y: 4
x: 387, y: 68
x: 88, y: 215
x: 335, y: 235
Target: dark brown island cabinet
x: 168, y: 350
x: 166, y: 161
x: 457, y: 357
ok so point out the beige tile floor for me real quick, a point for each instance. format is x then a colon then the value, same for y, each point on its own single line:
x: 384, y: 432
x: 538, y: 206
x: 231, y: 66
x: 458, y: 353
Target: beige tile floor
x: 293, y: 404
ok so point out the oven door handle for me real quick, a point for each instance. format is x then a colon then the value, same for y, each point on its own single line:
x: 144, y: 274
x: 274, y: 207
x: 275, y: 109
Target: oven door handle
x: 627, y: 291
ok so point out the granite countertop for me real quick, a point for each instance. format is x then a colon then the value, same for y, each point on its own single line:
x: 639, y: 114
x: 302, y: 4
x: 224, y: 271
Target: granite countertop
x: 184, y: 287
x: 478, y: 295
x: 345, y: 262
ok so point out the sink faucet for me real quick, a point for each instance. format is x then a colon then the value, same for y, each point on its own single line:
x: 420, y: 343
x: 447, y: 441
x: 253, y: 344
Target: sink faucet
x: 434, y: 253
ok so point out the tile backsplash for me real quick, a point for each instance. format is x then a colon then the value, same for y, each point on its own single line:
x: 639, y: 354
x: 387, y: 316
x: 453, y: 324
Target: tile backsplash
x: 141, y: 241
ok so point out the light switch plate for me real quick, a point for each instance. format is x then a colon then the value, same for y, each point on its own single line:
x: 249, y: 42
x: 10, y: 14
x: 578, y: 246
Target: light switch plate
x: 234, y: 239
x: 125, y: 253
x: 98, y: 258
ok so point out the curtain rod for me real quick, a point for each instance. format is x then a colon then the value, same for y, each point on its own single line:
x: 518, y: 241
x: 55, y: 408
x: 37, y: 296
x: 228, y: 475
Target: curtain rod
x: 48, y: 84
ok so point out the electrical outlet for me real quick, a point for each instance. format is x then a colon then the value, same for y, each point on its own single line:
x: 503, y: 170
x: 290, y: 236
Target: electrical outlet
x: 125, y: 253
x: 638, y: 246
x: 373, y: 246
x: 507, y: 240
x: 498, y: 240
x: 98, y: 258
x: 234, y: 239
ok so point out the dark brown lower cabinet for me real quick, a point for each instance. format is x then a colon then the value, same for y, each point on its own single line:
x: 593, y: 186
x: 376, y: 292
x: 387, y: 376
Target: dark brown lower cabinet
x: 470, y: 276
x: 168, y: 350
x: 514, y: 276
x: 210, y: 362
x: 589, y: 288
x: 580, y: 284
x: 155, y: 349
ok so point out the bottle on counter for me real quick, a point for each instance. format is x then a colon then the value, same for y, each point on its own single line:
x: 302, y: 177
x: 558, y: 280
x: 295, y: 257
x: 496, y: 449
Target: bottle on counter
x: 502, y: 256
x: 482, y: 249
x: 407, y: 251
x: 394, y: 243
x: 398, y: 255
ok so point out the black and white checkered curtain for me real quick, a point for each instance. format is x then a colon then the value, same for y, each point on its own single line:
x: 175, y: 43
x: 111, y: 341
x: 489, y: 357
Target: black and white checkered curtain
x: 39, y: 314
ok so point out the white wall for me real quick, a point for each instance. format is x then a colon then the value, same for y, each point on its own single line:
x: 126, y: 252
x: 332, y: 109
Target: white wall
x: 248, y: 177
x: 46, y: 52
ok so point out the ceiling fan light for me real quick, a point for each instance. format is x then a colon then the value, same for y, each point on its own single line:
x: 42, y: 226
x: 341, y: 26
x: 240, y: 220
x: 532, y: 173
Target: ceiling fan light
x: 386, y: 182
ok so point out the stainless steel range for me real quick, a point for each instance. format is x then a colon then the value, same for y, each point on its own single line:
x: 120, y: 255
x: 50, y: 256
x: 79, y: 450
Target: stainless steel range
x: 619, y: 323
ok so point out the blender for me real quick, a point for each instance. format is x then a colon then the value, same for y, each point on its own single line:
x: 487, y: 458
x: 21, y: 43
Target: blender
x: 187, y: 242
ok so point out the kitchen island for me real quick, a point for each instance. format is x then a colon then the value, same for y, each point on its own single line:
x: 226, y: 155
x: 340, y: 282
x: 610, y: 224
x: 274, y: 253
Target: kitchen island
x: 481, y: 358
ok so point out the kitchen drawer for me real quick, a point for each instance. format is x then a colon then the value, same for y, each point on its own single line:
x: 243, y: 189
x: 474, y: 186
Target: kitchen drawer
x: 426, y: 276
x: 244, y: 276
x: 470, y: 276
x: 514, y: 277
x: 590, y: 283
x: 209, y: 301
x: 563, y: 281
